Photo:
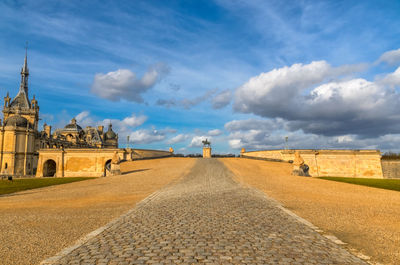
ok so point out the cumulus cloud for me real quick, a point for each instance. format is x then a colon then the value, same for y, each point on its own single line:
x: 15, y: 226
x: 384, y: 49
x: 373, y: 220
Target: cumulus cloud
x: 269, y: 93
x: 134, y: 121
x: 187, y: 103
x: 254, y: 133
x: 123, y: 127
x: 197, y: 140
x: 147, y: 136
x: 178, y: 138
x: 222, y: 99
x: 215, y: 132
x: 298, y: 95
x: 124, y: 84
x: 392, y: 79
x: 81, y: 116
x: 390, y: 57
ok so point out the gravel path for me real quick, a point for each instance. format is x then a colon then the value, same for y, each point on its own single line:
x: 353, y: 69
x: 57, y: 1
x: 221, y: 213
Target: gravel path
x: 208, y: 218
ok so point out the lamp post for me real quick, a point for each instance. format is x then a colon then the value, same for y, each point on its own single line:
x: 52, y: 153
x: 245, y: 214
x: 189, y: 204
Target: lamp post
x: 286, y: 142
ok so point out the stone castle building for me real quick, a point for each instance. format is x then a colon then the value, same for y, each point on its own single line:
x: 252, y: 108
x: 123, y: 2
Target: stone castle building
x: 21, y: 142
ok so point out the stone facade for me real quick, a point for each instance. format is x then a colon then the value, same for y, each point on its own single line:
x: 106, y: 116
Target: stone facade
x: 334, y: 163
x: 70, y: 151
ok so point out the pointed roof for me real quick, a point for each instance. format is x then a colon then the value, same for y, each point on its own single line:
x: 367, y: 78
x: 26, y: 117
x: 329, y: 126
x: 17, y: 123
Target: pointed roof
x: 21, y: 100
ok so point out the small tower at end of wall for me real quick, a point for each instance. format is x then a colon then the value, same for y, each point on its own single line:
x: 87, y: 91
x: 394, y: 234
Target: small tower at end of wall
x: 206, y: 152
x: 206, y: 149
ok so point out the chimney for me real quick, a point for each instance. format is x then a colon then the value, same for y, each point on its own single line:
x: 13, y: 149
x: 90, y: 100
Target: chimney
x: 47, y: 130
x: 100, y: 128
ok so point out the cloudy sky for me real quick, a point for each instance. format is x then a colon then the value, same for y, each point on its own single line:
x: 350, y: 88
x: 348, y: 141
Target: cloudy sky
x: 325, y: 74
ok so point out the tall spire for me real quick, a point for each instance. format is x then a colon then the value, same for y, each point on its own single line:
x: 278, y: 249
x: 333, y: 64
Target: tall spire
x: 25, y: 72
x: 21, y: 100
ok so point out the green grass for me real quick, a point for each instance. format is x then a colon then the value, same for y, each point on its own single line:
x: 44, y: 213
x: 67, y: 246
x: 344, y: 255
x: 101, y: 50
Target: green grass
x: 7, y: 187
x: 388, y: 184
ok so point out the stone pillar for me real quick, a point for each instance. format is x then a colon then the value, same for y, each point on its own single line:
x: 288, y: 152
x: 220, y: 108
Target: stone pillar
x: 115, y: 169
x: 129, y: 154
x: 115, y: 165
x: 242, y: 152
x: 206, y: 152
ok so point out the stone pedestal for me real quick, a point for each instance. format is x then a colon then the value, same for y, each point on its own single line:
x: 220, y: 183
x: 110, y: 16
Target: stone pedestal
x: 115, y: 169
x: 206, y: 152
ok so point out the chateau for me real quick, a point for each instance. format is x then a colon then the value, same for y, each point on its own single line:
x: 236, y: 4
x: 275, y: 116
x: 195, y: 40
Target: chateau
x: 21, y: 142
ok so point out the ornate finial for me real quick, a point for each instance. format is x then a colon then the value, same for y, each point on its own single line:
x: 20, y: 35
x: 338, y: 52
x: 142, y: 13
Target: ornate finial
x: 73, y: 121
x: 7, y: 100
x: 34, y: 102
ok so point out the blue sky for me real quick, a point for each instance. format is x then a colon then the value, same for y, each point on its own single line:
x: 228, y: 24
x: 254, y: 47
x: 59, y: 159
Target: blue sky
x: 243, y: 73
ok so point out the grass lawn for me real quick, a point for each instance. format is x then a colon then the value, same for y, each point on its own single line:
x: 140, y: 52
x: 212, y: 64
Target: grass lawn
x: 33, y: 183
x: 389, y: 184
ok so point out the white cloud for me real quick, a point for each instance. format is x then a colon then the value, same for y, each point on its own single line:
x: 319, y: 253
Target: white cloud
x: 215, y: 132
x: 345, y: 138
x: 356, y: 106
x: 270, y: 134
x: 392, y: 79
x: 390, y: 57
x: 146, y: 136
x: 197, y: 141
x: 134, y: 121
x: 271, y: 91
x: 178, y: 138
x: 187, y: 103
x: 122, y: 127
x: 124, y: 84
x: 81, y: 116
x: 222, y: 99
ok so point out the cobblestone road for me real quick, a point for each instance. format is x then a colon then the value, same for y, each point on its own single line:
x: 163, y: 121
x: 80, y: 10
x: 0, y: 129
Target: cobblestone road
x: 208, y: 218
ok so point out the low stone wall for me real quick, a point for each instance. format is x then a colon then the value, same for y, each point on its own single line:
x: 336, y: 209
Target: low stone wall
x: 87, y: 162
x: 139, y: 154
x: 391, y: 169
x: 335, y: 163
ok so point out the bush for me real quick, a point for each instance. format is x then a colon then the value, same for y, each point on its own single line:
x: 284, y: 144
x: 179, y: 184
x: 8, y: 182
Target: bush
x: 391, y: 156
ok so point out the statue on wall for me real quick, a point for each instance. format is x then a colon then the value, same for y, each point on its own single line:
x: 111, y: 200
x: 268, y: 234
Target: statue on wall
x: 299, y: 167
x: 206, y: 143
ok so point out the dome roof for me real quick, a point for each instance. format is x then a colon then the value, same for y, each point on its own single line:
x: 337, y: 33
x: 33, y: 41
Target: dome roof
x: 17, y: 121
x: 110, y: 134
x: 73, y: 126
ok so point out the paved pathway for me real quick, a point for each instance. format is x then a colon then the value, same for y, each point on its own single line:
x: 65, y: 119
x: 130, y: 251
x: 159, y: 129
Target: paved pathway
x: 208, y: 218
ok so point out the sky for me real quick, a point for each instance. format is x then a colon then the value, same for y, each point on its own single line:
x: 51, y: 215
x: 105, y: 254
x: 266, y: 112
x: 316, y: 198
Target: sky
x: 244, y: 74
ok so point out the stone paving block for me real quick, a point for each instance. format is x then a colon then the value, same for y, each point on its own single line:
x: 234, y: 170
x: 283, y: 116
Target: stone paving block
x: 208, y: 218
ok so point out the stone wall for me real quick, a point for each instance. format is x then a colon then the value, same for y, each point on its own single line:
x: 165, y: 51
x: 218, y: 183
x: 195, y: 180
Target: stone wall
x: 391, y: 169
x: 89, y: 162
x: 335, y: 163
x: 138, y: 154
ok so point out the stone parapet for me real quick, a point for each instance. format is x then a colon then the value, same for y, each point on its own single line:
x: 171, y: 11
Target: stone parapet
x: 322, y: 163
x: 391, y: 169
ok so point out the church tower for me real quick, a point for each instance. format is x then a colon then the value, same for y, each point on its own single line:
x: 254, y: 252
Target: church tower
x: 18, y: 134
